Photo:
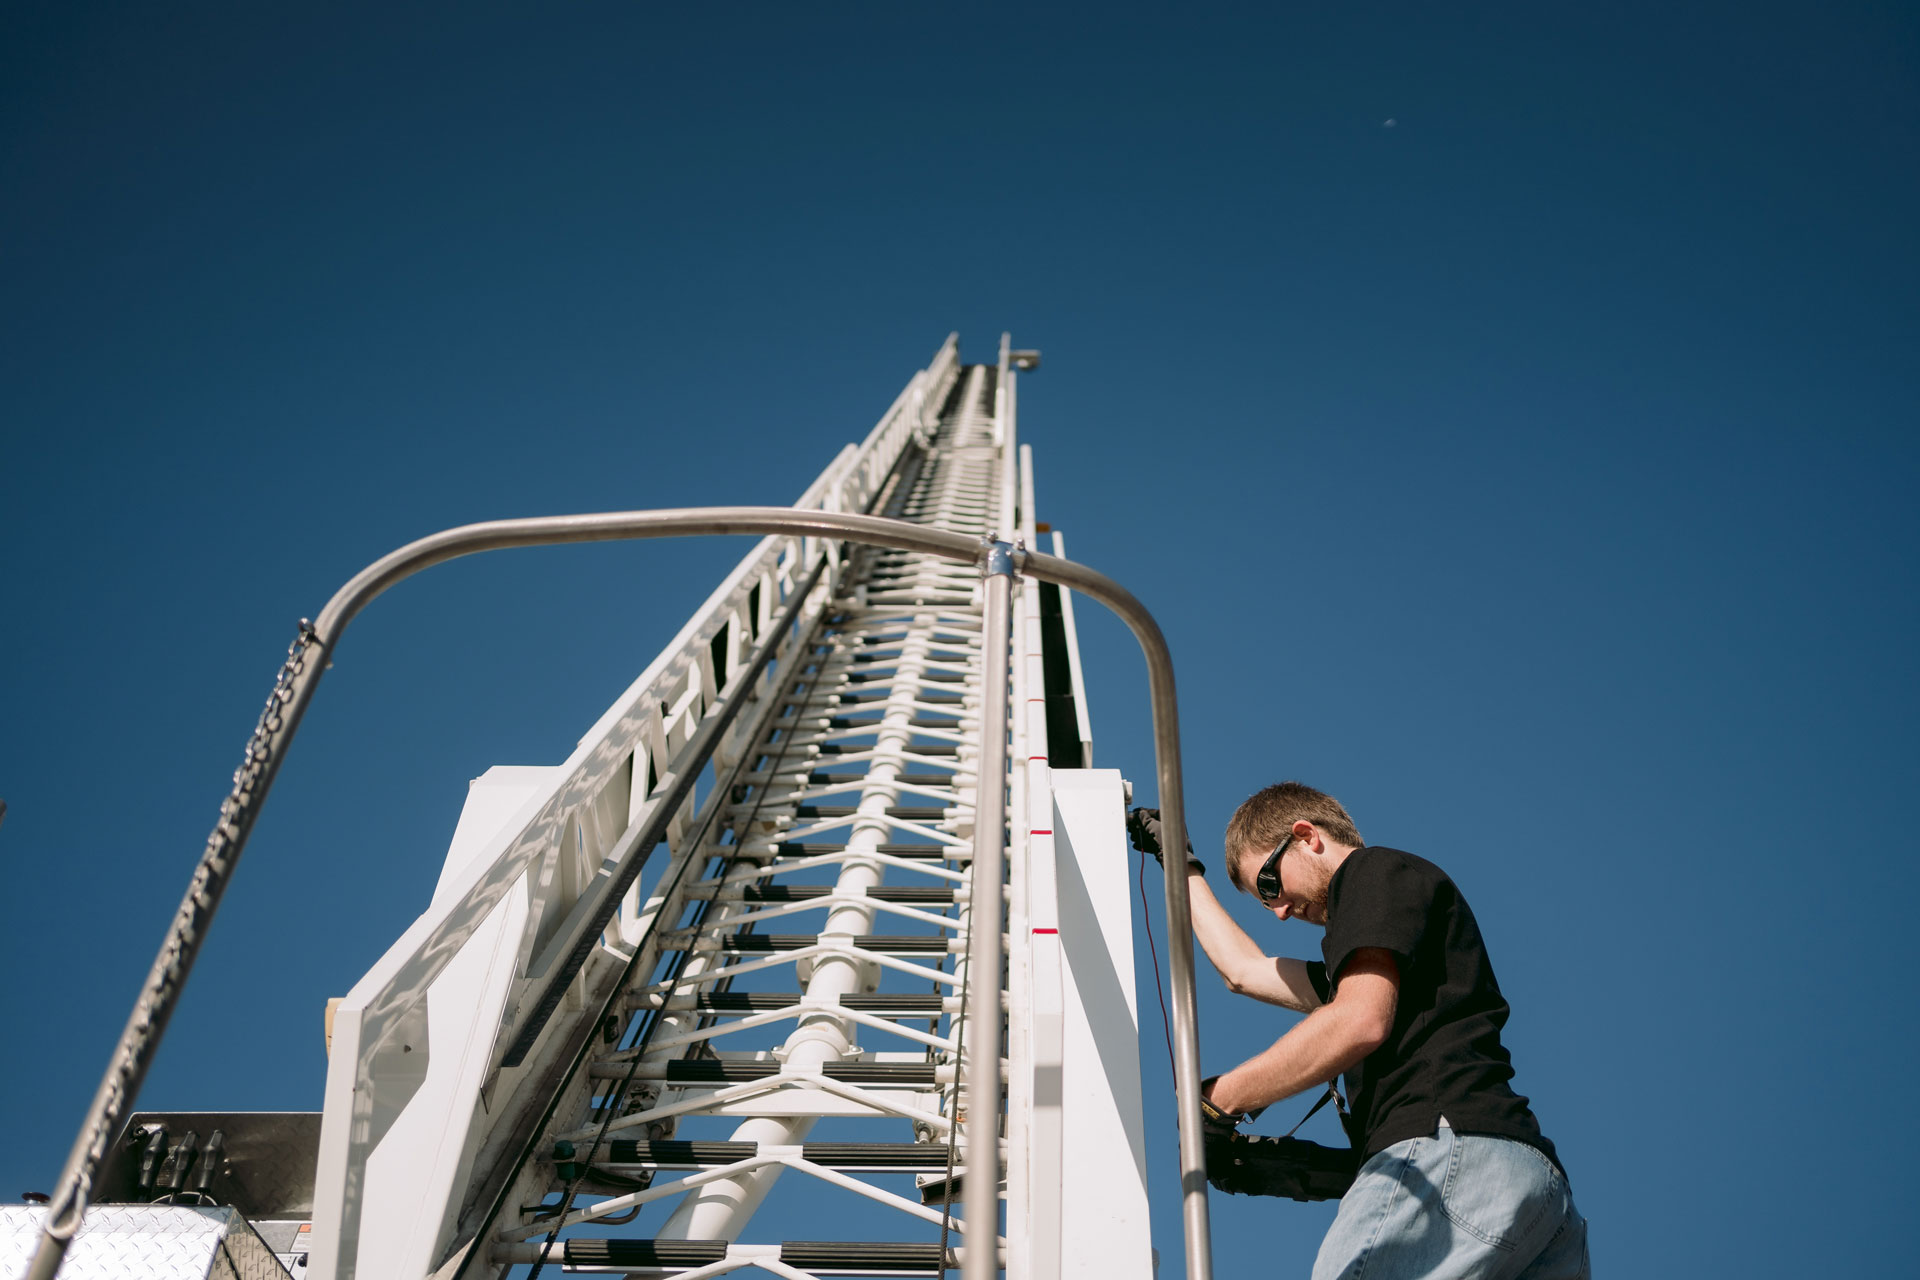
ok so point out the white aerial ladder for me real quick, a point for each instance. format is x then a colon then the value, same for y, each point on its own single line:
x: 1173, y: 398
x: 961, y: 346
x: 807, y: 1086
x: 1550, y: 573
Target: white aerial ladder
x: 762, y: 976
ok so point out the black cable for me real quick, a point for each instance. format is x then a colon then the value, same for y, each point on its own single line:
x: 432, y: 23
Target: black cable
x: 1153, y: 954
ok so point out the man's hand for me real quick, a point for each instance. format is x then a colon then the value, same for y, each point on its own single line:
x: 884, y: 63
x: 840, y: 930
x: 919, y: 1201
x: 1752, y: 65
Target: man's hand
x: 1143, y: 828
x: 1215, y: 1123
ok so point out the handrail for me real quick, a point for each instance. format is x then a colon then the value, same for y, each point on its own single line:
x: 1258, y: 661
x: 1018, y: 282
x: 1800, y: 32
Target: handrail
x: 308, y: 661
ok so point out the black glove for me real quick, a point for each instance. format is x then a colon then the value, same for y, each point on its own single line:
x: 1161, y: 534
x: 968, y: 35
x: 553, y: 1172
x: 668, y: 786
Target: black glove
x: 1215, y: 1123
x: 1143, y: 828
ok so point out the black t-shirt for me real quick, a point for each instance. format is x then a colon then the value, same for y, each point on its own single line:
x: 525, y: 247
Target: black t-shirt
x: 1443, y: 1056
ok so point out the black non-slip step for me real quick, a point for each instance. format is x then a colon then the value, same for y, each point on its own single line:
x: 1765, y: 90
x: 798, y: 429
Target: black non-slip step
x: 821, y: 778
x: 643, y: 1253
x: 931, y: 698
x: 876, y: 718
x: 860, y: 1156
x: 889, y: 944
x: 855, y: 748
x: 902, y: 894
x: 894, y: 639
x: 905, y: 596
x: 891, y: 1003
x: 733, y: 1071
x: 925, y: 677
x: 814, y: 849
x: 929, y: 720
x: 821, y: 1257
x: 910, y: 812
x: 857, y: 1257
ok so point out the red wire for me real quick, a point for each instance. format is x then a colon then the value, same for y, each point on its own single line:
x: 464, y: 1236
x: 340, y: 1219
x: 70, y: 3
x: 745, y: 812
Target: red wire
x: 1153, y: 954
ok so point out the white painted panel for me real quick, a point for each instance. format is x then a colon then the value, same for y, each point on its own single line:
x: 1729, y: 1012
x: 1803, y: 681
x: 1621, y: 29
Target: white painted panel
x: 1103, y: 1199
x: 417, y: 1110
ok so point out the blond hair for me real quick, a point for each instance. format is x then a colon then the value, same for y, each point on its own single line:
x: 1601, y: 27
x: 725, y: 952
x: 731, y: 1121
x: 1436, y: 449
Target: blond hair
x: 1264, y: 818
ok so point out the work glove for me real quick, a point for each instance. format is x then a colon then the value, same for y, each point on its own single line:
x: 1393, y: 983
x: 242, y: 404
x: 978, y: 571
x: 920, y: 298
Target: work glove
x: 1216, y: 1124
x: 1143, y: 828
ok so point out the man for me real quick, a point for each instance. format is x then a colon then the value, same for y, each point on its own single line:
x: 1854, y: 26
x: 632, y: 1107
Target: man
x: 1456, y: 1179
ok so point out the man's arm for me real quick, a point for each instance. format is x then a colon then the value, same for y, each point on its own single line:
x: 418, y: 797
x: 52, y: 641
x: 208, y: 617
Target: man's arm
x: 1248, y: 970
x: 1333, y: 1038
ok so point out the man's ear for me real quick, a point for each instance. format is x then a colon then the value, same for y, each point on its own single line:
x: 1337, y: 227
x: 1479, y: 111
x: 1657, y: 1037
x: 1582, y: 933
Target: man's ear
x: 1309, y: 835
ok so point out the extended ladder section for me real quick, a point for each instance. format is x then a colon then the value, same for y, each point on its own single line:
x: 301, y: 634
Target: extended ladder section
x: 694, y: 1001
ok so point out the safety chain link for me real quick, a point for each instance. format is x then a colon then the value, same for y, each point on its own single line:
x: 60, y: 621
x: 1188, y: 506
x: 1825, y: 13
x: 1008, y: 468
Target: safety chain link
x: 184, y: 936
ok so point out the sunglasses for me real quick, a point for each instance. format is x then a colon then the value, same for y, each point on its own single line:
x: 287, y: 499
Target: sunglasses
x: 1266, y: 881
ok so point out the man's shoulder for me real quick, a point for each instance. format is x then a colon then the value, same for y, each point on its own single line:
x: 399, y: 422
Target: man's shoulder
x: 1381, y: 862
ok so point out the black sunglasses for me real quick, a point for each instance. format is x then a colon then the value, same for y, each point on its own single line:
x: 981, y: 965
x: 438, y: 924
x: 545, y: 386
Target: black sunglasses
x: 1266, y: 882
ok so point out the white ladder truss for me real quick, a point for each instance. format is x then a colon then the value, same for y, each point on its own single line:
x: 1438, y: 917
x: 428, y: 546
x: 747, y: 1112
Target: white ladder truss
x: 790, y: 982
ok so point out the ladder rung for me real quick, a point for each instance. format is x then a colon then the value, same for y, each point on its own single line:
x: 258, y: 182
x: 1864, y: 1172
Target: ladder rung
x: 911, y: 812
x: 819, y: 1257
x: 644, y: 1253
x: 735, y: 1071
x: 821, y: 778
x: 925, y: 677
x: 881, y: 695
x: 891, y: 1003
x: 890, y: 944
x: 902, y: 894
x: 814, y: 849
x: 915, y: 748
x: 947, y: 720
x: 872, y: 1157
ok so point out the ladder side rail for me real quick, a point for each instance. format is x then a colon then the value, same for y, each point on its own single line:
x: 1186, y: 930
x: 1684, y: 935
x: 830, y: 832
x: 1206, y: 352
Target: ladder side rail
x: 1029, y: 1229
x: 1076, y: 677
x: 1038, y: 1151
x: 982, y: 1063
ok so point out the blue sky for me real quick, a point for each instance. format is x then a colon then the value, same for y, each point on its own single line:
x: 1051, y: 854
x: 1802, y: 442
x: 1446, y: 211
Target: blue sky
x: 1534, y: 473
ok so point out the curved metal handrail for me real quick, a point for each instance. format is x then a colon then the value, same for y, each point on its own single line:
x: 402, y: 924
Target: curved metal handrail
x: 308, y: 660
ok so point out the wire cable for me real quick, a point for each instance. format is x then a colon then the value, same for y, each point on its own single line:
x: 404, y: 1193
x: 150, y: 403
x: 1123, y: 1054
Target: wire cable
x: 1153, y: 954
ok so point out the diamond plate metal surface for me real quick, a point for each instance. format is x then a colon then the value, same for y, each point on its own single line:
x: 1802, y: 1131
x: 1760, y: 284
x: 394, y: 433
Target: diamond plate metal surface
x: 144, y: 1242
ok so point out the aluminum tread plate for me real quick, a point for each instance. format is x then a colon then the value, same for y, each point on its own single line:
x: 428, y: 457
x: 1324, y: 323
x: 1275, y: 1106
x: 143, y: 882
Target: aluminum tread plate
x: 144, y: 1242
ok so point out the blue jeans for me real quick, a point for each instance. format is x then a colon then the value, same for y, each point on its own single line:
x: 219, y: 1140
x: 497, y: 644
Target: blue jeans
x: 1454, y: 1206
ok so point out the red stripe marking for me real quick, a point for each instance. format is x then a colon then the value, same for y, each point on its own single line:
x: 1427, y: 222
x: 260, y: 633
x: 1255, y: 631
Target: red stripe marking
x: 1040, y: 833
x: 1046, y: 931
x: 1031, y: 759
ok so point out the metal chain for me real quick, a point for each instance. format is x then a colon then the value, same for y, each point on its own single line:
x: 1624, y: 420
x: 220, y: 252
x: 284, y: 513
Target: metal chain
x: 154, y: 1007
